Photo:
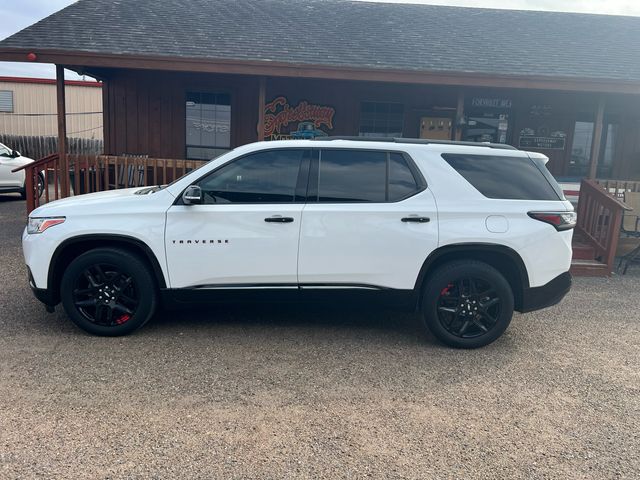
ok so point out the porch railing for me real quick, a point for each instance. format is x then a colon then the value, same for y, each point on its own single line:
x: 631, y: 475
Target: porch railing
x: 618, y: 187
x: 599, y: 219
x: 45, y: 179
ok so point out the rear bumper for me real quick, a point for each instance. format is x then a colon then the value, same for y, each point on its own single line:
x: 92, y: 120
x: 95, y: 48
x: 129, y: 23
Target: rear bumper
x: 547, y: 295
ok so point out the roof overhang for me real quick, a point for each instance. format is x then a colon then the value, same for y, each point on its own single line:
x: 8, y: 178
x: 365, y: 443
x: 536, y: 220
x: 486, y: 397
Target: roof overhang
x: 89, y: 60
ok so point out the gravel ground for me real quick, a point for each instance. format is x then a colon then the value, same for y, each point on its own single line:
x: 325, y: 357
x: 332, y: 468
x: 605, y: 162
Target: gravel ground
x: 238, y: 392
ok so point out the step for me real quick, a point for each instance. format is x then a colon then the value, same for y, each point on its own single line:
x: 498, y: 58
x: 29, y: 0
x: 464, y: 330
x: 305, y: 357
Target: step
x: 583, y: 252
x: 589, y: 268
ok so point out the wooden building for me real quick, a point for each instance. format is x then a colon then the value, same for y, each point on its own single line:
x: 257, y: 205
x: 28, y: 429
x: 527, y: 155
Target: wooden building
x: 189, y: 83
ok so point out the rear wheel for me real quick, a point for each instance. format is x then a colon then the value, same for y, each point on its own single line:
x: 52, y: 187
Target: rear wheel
x: 467, y: 304
x: 108, y: 292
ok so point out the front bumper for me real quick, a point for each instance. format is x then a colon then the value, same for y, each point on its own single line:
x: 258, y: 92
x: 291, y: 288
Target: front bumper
x: 547, y: 295
x: 43, y: 294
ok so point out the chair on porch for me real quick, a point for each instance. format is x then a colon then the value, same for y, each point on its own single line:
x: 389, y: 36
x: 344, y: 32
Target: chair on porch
x: 631, y: 229
x: 130, y: 176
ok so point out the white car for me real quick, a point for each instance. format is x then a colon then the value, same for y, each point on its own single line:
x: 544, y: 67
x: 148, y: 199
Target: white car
x: 463, y: 233
x: 14, y: 182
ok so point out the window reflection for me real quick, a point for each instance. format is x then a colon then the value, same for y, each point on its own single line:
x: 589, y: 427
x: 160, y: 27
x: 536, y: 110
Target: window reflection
x: 208, y: 125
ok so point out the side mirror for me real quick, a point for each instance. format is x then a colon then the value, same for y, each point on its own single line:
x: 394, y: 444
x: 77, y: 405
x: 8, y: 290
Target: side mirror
x: 192, y: 195
x: 15, y: 153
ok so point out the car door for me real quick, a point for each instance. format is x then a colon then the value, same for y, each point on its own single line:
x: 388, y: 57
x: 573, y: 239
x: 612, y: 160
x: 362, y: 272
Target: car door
x: 370, y: 221
x: 246, y: 231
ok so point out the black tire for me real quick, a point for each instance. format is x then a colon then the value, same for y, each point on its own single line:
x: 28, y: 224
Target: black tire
x: 467, y: 304
x: 41, y: 187
x: 109, y: 292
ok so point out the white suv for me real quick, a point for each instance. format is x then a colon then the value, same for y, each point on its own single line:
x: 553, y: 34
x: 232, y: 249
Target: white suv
x: 463, y: 233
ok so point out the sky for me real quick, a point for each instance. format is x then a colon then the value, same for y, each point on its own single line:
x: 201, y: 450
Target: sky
x: 18, y: 14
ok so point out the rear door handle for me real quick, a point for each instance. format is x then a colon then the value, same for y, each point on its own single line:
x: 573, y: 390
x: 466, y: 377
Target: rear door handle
x: 278, y: 219
x: 416, y: 219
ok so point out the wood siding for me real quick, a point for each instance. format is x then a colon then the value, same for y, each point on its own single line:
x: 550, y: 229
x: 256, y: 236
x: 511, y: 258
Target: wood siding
x: 144, y: 111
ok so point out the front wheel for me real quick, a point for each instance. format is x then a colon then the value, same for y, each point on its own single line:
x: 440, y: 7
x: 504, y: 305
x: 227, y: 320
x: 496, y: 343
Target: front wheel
x: 40, y: 187
x: 108, y: 292
x: 467, y: 304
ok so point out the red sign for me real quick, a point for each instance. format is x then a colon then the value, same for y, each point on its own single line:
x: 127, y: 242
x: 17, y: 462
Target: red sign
x: 279, y: 117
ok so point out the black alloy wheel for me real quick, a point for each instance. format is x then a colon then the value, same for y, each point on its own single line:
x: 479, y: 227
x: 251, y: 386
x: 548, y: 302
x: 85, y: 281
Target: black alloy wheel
x: 105, y: 295
x: 467, y: 304
x: 109, y: 291
x: 468, y: 307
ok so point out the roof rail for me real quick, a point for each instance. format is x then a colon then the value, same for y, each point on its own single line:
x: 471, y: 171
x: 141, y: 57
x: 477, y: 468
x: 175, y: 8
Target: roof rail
x: 419, y: 141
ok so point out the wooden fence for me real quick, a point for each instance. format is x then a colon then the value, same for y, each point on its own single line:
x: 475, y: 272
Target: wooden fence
x: 40, y: 147
x: 47, y: 181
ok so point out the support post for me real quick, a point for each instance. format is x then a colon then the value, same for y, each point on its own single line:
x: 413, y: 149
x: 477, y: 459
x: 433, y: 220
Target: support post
x: 596, y: 143
x: 262, y: 100
x: 62, y: 132
x: 459, y: 116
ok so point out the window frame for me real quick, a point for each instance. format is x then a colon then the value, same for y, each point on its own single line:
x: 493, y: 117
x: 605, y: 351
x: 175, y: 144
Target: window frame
x: 300, y: 190
x: 314, y: 176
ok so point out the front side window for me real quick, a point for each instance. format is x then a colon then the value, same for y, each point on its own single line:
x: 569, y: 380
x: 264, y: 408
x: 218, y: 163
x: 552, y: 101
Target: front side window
x: 208, y: 125
x: 364, y: 177
x: 514, y: 178
x: 381, y: 119
x: 263, y: 177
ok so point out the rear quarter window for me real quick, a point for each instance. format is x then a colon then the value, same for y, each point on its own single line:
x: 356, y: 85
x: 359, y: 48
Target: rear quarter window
x: 509, y: 178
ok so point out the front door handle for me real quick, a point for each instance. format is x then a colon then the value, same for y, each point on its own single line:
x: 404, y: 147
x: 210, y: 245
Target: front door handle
x: 416, y: 219
x: 278, y: 219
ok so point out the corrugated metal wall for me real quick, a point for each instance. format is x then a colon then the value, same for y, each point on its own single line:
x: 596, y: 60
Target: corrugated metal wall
x: 34, y: 110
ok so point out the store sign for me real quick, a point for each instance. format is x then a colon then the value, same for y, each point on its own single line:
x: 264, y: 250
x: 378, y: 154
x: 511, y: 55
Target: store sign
x: 283, y: 121
x: 555, y: 141
x: 481, y: 102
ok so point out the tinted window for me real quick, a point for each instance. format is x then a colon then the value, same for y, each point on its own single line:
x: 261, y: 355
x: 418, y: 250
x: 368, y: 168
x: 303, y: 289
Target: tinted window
x: 263, y: 177
x: 516, y: 178
x: 352, y: 176
x: 402, y: 183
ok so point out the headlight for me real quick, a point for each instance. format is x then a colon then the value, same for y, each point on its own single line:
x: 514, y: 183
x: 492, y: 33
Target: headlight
x: 39, y: 225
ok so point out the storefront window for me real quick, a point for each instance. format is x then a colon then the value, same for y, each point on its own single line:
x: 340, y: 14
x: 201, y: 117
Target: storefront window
x: 381, y: 119
x: 581, y: 150
x: 208, y: 125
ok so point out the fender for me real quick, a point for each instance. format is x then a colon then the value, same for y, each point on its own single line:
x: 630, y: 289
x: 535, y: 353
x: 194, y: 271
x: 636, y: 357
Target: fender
x: 462, y: 249
x: 107, y: 240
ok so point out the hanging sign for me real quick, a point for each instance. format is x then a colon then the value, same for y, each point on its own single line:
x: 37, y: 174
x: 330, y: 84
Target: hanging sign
x: 554, y: 141
x: 283, y: 121
x: 482, y: 102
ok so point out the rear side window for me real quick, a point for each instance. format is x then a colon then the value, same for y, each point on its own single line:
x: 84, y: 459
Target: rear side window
x: 364, y: 177
x: 512, y: 178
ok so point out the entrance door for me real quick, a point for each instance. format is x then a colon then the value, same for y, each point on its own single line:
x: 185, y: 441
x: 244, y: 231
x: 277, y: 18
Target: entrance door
x: 370, y: 221
x: 246, y: 231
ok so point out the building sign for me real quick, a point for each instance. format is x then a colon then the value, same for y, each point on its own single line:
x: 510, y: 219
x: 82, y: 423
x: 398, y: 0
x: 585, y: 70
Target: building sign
x: 481, y: 102
x: 283, y: 121
x: 554, y: 141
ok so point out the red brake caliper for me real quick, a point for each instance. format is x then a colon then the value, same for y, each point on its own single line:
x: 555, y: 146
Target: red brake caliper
x: 446, y: 289
x: 123, y: 319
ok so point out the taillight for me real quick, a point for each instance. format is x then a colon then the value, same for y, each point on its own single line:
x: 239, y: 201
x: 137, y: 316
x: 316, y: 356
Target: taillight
x: 560, y: 220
